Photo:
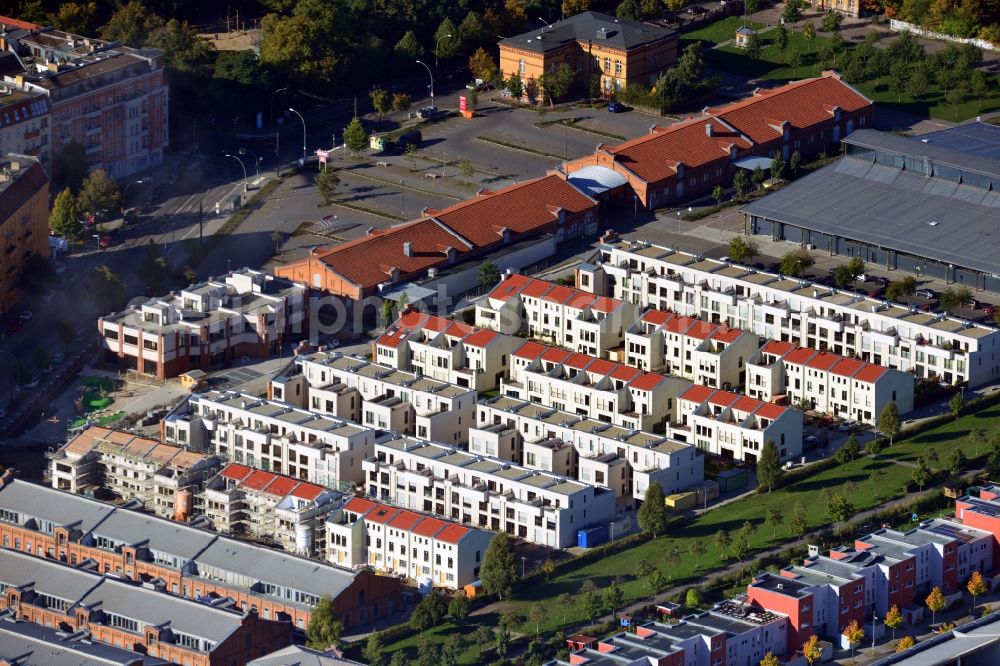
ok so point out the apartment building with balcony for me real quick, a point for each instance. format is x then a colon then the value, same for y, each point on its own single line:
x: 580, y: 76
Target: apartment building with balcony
x: 184, y: 560
x: 795, y: 310
x: 24, y: 123
x: 827, y: 383
x: 109, y: 98
x: 445, y: 349
x: 161, y: 476
x: 402, y: 542
x: 734, y: 426
x: 377, y: 396
x: 707, y: 353
x: 24, y: 221
x: 207, y: 325
x: 594, y: 452
x: 982, y: 511
x: 269, y: 507
x: 123, y: 614
x: 272, y: 436
x: 489, y: 493
x: 589, y: 386
x: 556, y: 314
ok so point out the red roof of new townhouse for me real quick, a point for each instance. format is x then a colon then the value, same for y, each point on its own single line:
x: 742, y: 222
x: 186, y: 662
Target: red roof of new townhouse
x: 360, y: 505
x: 845, y: 366
x: 601, y: 367
x: 414, y: 320
x: 698, y: 393
x: 7, y: 22
x: 530, y: 350
x: 271, y: 483
x: 521, y: 285
x: 524, y: 208
x: 405, y: 520
x: 408, y: 521
x: 742, y: 403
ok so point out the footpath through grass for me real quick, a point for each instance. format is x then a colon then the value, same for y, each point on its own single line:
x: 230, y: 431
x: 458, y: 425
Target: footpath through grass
x: 895, y: 466
x: 718, y: 32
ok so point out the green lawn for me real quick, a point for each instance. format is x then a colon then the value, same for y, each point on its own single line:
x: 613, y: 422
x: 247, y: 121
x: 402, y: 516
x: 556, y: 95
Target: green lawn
x: 715, y: 33
x: 808, y: 492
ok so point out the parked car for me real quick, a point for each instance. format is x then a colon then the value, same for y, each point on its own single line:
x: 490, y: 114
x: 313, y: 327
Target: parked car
x: 696, y: 10
x: 104, y: 242
x: 615, y: 107
x: 926, y: 293
x: 35, y: 381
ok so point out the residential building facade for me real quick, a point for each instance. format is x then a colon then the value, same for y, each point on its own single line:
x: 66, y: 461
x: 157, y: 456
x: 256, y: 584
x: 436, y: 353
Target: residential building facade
x: 402, y: 542
x: 377, y: 396
x: 24, y: 123
x: 207, y: 325
x: 272, y: 436
x: 486, y: 492
x: 828, y: 383
x: 109, y: 98
x: 163, y: 477
x: 24, y: 222
x: 734, y: 426
x: 795, y: 310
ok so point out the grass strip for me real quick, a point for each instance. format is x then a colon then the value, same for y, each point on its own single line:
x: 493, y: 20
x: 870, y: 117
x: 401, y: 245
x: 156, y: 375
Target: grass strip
x: 514, y: 146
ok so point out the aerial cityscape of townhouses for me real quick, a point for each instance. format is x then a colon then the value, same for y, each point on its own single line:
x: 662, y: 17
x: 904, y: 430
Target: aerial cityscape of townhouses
x: 521, y: 332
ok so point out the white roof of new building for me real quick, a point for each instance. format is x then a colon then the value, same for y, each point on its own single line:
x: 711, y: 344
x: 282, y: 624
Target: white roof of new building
x: 593, y: 180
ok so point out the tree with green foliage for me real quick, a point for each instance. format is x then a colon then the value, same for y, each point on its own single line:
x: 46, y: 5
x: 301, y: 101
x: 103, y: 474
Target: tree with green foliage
x: 840, y: 508
x: 777, y: 166
x: 481, y: 637
x: 809, y: 31
x: 896, y: 291
x: 873, y: 446
x: 793, y: 11
x: 697, y: 550
x: 921, y: 474
x: 241, y: 67
x: 652, y: 515
x: 184, y: 49
x: 593, y: 605
x: 458, y: 607
x: 537, y: 615
x: 466, y: 169
x: 793, y: 263
x: 450, y: 650
x: 75, y: 17
x: 355, y: 137
x: 381, y: 101
x: 847, y: 274
x: 64, y: 219
x: 498, y: 572
x: 324, y: 626
x: 831, y: 21
x: 899, y: 76
x: 723, y: 541
x: 613, y: 597
x: 488, y: 274
x: 742, y: 247
x: 99, y: 194
x: 556, y: 84
x: 740, y: 184
x: 131, y: 24
x: 399, y: 658
x: 472, y: 33
x: 797, y: 524
x: 447, y: 47
x: 957, y: 462
x: 409, y: 46
x: 956, y: 404
x: 849, y: 451
x: 628, y: 10
x: 753, y: 47
x: 427, y: 653
x: 781, y: 40
x: 401, y: 102
x: 768, y: 467
x: 571, y: 7
x: 935, y: 603
x: 515, y: 86
x: 374, y: 652
x: 758, y: 177
x: 888, y: 421
x: 326, y: 184
x: 692, y: 598
x: 774, y: 518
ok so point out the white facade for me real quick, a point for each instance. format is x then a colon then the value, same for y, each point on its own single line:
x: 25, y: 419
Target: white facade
x: 272, y: 436
x: 706, y: 353
x: 555, y: 314
x: 828, y: 383
x: 797, y: 311
x: 378, y: 396
x: 493, y: 494
x: 588, y: 386
x: 401, y: 542
x: 624, y: 461
x: 736, y: 427
x: 446, y: 350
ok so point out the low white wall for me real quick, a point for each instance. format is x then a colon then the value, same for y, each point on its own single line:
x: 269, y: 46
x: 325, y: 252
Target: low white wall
x: 900, y: 26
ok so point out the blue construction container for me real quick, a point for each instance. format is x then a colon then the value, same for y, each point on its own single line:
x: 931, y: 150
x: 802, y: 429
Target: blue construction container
x: 592, y: 536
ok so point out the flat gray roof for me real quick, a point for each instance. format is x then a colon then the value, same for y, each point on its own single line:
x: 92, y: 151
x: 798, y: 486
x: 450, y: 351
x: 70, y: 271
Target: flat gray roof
x: 34, y: 501
x: 892, y: 208
x: 28, y: 644
x: 981, y: 139
x: 296, y: 655
x: 937, y: 151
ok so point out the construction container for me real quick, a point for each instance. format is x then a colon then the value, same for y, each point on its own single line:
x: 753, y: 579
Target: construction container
x: 681, y: 501
x: 592, y: 536
x: 706, y: 491
x: 732, y: 479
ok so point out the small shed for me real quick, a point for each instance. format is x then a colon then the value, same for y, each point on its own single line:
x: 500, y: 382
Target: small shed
x: 743, y: 35
x: 193, y: 380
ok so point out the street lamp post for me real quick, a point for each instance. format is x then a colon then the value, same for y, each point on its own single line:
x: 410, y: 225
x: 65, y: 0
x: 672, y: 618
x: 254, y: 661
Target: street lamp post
x: 256, y: 158
x: 523, y: 560
x: 273, y: 95
x: 244, y: 169
x: 874, y: 619
x: 437, y: 48
x: 303, y: 133
x: 430, y: 74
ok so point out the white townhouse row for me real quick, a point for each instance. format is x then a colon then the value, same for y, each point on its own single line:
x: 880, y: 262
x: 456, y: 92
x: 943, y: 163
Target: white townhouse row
x: 795, y: 310
x: 206, y: 325
x: 244, y: 501
x: 828, y: 383
x: 272, y: 436
x: 594, y: 452
x: 707, y: 353
x: 493, y: 494
x: 398, y: 541
x: 377, y: 396
x: 556, y: 314
x: 445, y: 349
x: 595, y: 387
x: 736, y: 427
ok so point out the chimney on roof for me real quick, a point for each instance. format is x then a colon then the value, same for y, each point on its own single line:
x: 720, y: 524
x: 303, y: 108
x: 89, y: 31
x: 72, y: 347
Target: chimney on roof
x: 369, y: 231
x: 408, y: 248
x: 708, y: 129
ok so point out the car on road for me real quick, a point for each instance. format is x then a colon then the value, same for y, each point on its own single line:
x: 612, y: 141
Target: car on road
x: 35, y: 381
x: 615, y: 107
x: 104, y: 241
x: 847, y: 426
x: 696, y: 10
x: 925, y: 293
x: 811, y: 441
x: 26, y: 315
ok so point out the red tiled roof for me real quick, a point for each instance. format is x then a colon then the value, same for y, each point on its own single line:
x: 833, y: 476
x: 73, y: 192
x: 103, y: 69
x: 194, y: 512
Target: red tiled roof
x: 581, y: 300
x: 413, y: 320
x: 680, y: 324
x: 428, y: 527
x: 524, y: 208
x: 605, y: 304
x: 657, y: 317
x: 625, y: 373
x: 870, y: 373
x: 536, y: 288
x: 747, y: 404
x: 602, y: 367
x: 801, y: 103
x: 530, y: 350
x: 848, y: 367
x: 452, y: 533
x: 509, y: 286
x: 727, y: 335
x: 824, y: 361
x: 480, y: 338
x: 381, y: 514
x: 553, y: 355
x: 777, y: 347
x: 307, y: 491
x: 647, y: 382
x: 799, y: 355
x: 579, y: 361
x: 258, y: 480
x: 701, y: 329
x: 405, y: 520
x: 234, y: 471
x: 367, y: 261
x: 723, y: 398
x: 560, y: 294
x: 17, y: 23
x: 360, y: 505
x: 282, y: 486
x: 769, y: 410
x: 698, y: 393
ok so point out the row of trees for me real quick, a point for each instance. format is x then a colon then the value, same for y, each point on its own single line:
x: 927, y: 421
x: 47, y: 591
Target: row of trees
x: 97, y: 195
